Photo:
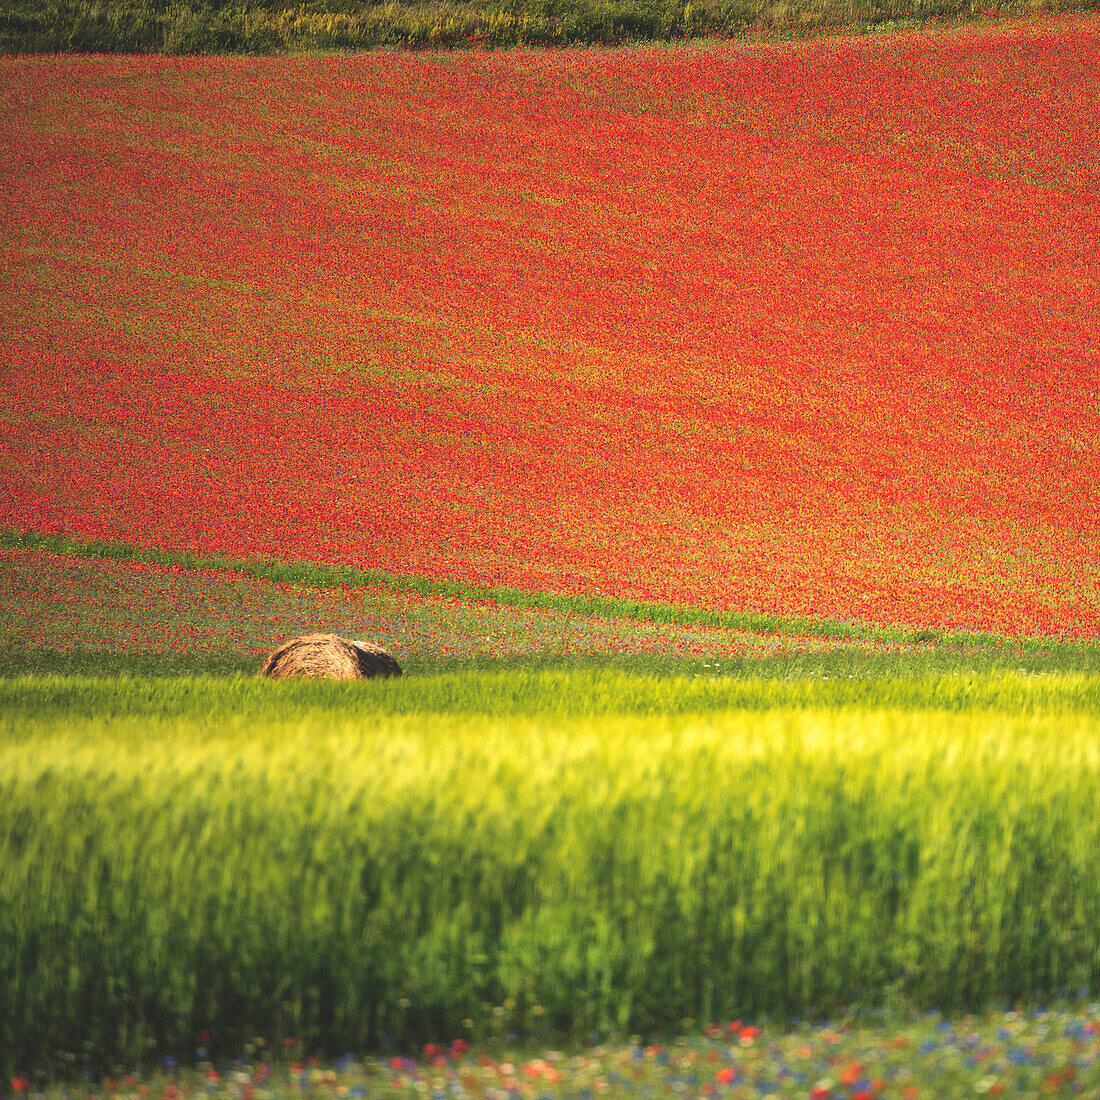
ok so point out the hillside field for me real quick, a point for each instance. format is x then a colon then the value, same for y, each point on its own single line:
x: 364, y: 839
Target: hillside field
x: 709, y: 430
x: 800, y: 330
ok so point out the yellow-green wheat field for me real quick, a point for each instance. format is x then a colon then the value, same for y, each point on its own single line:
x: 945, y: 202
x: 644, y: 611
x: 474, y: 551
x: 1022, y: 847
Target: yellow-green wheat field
x: 588, y: 850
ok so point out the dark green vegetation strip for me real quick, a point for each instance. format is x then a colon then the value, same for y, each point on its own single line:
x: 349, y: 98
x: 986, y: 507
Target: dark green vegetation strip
x: 263, y: 26
x: 331, y: 576
x: 429, y: 858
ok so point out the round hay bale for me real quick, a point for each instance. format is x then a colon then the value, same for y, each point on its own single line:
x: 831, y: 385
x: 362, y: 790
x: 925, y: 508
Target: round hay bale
x: 329, y: 657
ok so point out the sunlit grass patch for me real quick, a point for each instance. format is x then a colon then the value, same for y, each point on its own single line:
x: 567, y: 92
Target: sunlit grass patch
x: 593, y: 849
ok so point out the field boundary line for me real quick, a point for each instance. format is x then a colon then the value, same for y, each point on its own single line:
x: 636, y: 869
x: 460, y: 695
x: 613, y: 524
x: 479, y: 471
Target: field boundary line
x: 313, y: 575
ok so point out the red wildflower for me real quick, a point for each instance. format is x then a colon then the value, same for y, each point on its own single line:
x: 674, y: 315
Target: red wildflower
x: 851, y: 1073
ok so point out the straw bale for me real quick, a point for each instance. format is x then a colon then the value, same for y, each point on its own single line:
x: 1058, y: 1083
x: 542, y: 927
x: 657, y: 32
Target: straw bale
x: 329, y: 657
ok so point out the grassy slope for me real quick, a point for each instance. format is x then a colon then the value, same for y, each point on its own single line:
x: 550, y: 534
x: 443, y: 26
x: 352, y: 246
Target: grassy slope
x: 1008, y: 715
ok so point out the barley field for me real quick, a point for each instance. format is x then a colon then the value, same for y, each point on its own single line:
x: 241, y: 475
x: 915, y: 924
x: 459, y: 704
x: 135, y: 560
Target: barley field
x: 588, y: 850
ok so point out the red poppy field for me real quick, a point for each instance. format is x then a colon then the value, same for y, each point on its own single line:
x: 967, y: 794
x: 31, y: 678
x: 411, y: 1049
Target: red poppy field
x: 800, y: 329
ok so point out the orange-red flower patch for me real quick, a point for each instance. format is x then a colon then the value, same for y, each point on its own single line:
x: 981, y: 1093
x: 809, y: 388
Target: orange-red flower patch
x: 806, y: 329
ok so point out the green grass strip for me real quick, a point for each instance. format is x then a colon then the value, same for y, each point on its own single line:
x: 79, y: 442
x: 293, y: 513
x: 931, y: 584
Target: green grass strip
x: 314, y: 575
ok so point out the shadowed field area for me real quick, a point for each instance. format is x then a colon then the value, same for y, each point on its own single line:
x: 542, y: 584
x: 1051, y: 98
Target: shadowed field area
x: 271, y: 26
